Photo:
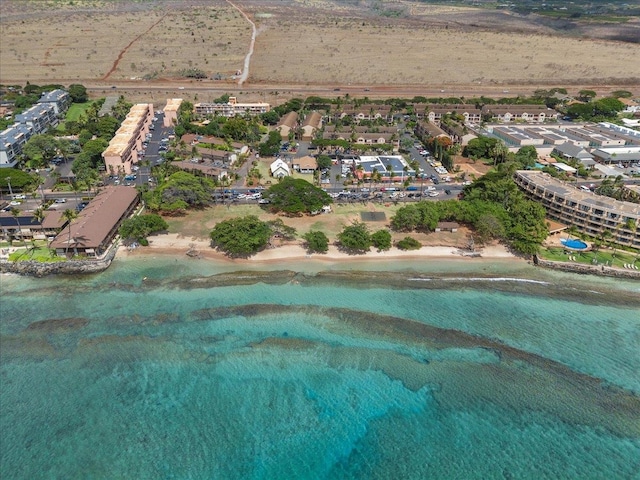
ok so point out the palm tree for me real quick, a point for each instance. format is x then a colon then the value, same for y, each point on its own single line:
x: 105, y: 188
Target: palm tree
x: 15, y: 213
x: 69, y: 215
x: 38, y: 216
x: 572, y: 231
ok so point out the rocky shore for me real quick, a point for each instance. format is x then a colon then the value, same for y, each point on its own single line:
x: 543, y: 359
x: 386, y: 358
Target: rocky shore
x: 587, y: 269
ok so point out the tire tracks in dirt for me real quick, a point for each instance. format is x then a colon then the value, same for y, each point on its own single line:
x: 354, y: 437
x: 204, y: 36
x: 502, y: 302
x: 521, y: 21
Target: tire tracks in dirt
x: 247, y: 59
x: 124, y: 50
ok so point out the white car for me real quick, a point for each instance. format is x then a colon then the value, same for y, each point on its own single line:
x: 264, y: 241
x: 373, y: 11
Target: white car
x: 14, y: 203
x: 434, y: 194
x: 61, y: 200
x: 19, y: 197
x: 431, y: 189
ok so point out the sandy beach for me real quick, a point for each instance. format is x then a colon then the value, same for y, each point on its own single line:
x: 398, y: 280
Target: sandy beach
x: 175, y: 244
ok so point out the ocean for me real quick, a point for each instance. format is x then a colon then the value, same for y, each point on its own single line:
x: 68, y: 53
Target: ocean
x: 177, y: 368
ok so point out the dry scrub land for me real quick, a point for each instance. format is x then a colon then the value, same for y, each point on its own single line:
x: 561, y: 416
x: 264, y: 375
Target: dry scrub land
x: 305, y: 42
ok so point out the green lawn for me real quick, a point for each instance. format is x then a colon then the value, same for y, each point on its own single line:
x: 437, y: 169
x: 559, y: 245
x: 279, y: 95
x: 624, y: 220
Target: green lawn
x: 39, y: 254
x: 601, y: 257
x: 74, y: 113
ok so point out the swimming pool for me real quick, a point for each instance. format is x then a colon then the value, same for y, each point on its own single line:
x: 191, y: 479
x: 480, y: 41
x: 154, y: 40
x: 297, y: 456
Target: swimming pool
x: 574, y: 243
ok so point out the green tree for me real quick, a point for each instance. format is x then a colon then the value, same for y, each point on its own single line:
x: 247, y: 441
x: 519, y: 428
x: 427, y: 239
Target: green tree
x: 69, y: 215
x: 586, y: 95
x: 180, y: 191
x: 271, y: 146
x: 355, y: 238
x: 138, y: 228
x: 316, y: 241
x: 294, y: 196
x: 78, y: 93
x: 409, y: 243
x: 19, y: 180
x: 15, y: 213
x: 240, y: 236
x: 381, y: 239
x: 40, y: 149
x: 324, y: 162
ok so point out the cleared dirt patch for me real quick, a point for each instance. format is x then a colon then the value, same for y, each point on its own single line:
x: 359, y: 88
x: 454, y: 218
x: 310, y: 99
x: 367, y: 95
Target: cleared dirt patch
x: 308, y: 43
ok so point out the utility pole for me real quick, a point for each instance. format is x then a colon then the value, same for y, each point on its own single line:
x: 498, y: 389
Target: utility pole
x: 9, y: 184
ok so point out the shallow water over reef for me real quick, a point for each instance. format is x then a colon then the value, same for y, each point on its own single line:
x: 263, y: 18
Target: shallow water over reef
x: 165, y: 369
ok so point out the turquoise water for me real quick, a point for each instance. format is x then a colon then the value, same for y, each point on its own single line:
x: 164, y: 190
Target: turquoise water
x: 165, y: 368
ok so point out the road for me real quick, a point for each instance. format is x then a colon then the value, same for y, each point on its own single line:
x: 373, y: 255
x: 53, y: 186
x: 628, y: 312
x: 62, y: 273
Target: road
x: 279, y: 93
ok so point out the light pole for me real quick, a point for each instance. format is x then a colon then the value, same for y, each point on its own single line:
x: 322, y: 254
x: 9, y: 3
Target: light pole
x: 9, y: 184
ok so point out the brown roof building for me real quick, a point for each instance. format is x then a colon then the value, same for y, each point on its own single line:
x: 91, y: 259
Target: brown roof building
x: 287, y: 124
x: 311, y: 124
x: 97, y: 224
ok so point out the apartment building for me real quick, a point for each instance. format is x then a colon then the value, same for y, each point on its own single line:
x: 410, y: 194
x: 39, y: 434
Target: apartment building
x: 122, y: 152
x: 287, y: 124
x: 435, y: 112
x: 524, y: 113
x: 58, y: 99
x: 231, y: 108
x: 595, y: 137
x: 518, y: 136
x: 588, y: 212
x: 311, y: 124
x: 171, y: 112
x: 625, y: 156
x: 40, y: 117
x: 12, y: 140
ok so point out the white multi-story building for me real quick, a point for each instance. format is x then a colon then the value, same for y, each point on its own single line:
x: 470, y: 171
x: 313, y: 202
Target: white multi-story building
x: 231, y: 108
x: 588, y: 212
x: 12, y: 140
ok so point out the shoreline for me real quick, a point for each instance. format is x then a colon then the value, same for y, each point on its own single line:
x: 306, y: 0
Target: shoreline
x: 174, y: 244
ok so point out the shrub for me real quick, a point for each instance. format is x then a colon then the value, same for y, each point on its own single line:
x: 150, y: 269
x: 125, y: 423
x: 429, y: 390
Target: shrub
x: 409, y: 243
x: 316, y: 241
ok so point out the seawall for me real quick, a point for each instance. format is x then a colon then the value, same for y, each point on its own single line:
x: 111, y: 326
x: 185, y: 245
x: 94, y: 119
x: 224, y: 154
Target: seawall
x: 587, y: 269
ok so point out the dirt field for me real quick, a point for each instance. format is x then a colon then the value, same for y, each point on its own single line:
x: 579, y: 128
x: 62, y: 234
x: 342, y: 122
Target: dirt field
x: 305, y: 43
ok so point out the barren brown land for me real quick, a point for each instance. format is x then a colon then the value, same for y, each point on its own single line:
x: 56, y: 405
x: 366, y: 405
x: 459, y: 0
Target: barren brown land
x: 303, y: 47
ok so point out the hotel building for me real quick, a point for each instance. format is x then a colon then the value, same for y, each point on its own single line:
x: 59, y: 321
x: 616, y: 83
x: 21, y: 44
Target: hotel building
x: 231, y: 108
x: 171, y: 112
x: 122, y: 151
x: 589, y: 213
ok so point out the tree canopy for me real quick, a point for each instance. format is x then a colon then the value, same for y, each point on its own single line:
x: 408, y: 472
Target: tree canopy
x: 355, y: 238
x: 18, y: 179
x: 271, y: 146
x: 140, y: 227
x: 316, y: 241
x: 381, y: 239
x: 294, y: 196
x: 493, y: 205
x: 179, y: 191
x: 241, y: 236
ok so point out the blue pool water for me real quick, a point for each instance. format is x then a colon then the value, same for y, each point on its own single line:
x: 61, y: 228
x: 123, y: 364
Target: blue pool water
x: 574, y: 243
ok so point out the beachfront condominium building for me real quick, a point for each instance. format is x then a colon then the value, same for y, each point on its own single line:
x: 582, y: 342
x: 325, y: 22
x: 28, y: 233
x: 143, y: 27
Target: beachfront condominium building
x: 231, y: 108
x: 58, y: 99
x: 122, y: 152
x: 40, y: 117
x: 171, y: 112
x: 12, y: 140
x: 589, y: 213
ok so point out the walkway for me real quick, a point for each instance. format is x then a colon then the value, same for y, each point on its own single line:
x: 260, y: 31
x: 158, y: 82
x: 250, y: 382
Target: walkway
x: 247, y: 59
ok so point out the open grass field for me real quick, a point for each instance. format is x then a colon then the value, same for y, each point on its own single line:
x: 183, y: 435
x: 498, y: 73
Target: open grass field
x: 308, y: 43
x: 197, y: 224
